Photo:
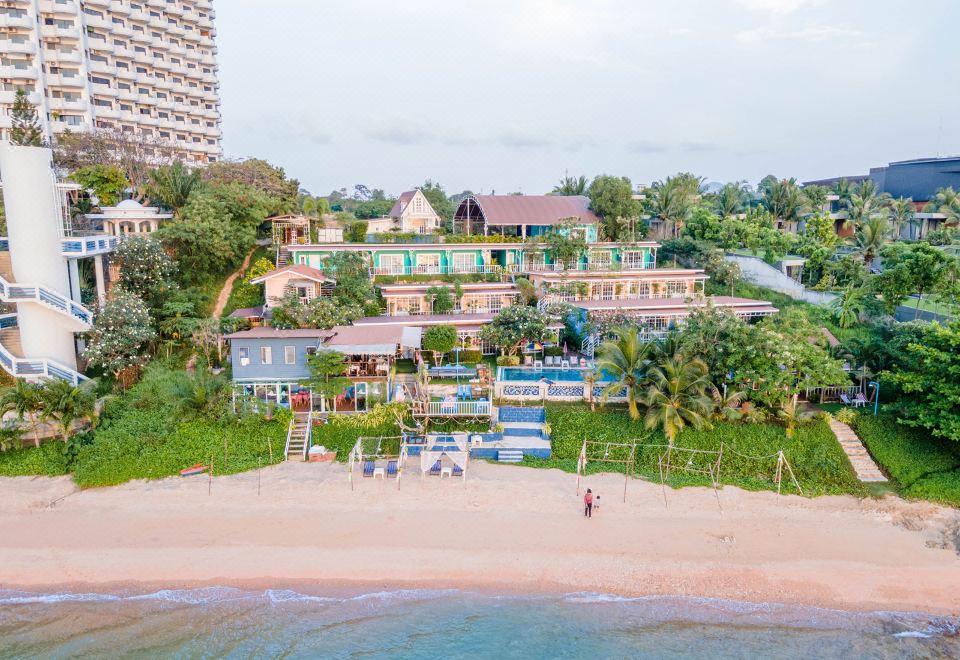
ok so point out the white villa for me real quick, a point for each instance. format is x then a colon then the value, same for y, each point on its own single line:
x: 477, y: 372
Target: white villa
x: 411, y: 213
x: 129, y: 217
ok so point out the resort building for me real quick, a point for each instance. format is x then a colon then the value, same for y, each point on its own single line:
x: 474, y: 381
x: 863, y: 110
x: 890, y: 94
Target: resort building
x: 129, y: 218
x: 468, y: 298
x: 306, y: 282
x: 39, y: 269
x: 270, y: 365
x: 525, y: 215
x: 137, y: 66
x: 411, y: 214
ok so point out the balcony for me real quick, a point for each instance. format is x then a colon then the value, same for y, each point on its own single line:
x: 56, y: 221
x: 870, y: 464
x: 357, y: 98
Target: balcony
x: 7, y: 97
x: 60, y: 57
x: 96, y: 66
x: 441, y: 270
x: 64, y: 9
x: 120, y: 7
x: 11, y: 47
x: 8, y: 21
x: 67, y: 105
x: 54, y: 32
x: 60, y: 80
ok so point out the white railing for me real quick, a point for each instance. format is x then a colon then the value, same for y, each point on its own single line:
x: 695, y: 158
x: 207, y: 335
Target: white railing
x: 832, y: 393
x: 35, y: 293
x: 35, y: 369
x: 308, y: 435
x: 597, y: 267
x: 589, y: 345
x: 88, y: 246
x: 458, y: 408
x: 574, y: 297
x: 441, y: 270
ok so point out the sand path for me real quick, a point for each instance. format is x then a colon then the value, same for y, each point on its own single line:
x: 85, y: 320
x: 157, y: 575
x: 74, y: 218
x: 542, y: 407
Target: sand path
x: 504, y: 528
x: 228, y: 284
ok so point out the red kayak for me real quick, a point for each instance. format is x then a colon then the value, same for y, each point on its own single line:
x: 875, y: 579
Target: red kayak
x: 194, y: 469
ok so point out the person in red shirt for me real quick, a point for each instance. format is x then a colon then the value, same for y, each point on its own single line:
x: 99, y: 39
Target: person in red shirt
x: 588, y: 504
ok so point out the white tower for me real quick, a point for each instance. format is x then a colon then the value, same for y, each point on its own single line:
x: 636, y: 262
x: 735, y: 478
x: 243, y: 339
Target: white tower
x: 35, y: 276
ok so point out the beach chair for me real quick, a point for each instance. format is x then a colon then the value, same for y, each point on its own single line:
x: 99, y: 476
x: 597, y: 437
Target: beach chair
x: 392, y: 469
x: 368, y: 469
x: 845, y: 400
x: 564, y: 364
x: 537, y: 364
x: 457, y: 470
x: 435, y: 470
x: 548, y: 360
x: 859, y: 401
x: 527, y: 360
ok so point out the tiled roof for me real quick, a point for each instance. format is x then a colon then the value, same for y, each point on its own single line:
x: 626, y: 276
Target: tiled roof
x: 296, y: 269
x: 534, y: 209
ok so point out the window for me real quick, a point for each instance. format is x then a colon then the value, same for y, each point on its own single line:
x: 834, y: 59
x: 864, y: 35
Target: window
x: 634, y: 259
x: 243, y: 354
x: 289, y: 354
x: 464, y: 263
x: 311, y: 350
x: 676, y: 288
x: 266, y: 355
x: 391, y: 264
x: 428, y: 263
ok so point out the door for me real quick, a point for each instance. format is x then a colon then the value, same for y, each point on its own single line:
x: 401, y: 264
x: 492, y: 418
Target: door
x: 361, y: 392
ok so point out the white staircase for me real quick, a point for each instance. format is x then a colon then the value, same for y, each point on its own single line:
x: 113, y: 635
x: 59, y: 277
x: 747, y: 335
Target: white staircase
x: 298, y: 437
x: 13, y: 362
x: 589, y: 345
x: 509, y: 455
x: 14, y: 292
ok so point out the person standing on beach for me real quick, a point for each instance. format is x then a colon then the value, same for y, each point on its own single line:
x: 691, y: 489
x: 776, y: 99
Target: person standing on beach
x: 588, y: 504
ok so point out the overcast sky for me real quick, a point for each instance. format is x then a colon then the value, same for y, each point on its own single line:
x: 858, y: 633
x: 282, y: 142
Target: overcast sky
x: 508, y: 95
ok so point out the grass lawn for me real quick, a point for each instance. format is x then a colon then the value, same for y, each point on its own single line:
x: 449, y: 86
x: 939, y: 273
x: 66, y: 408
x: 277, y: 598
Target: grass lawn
x: 928, y: 304
x: 749, y: 451
x: 922, y: 466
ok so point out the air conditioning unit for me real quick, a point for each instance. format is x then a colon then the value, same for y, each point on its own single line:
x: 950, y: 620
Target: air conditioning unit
x: 244, y: 362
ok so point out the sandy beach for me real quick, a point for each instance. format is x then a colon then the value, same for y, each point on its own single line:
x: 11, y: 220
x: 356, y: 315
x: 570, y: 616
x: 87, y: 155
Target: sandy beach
x: 505, y: 528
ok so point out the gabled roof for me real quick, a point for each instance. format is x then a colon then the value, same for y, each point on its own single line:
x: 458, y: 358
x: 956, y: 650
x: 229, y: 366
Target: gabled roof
x: 533, y: 209
x: 275, y: 333
x: 401, y: 203
x: 299, y: 270
x: 372, y: 340
x: 248, y: 313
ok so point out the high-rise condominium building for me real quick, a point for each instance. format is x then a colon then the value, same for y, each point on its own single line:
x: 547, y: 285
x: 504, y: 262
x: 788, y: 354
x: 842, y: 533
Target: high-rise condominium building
x: 143, y: 66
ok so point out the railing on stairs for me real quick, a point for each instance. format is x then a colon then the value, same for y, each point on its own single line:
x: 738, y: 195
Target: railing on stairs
x: 589, y: 345
x: 37, y: 293
x: 308, y: 435
x: 34, y: 369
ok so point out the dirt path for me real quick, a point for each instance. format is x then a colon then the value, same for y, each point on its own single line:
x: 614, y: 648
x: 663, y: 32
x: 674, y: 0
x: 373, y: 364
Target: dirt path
x: 228, y: 285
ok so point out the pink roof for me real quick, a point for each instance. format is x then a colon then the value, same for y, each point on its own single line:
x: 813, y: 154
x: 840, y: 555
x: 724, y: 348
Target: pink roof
x: 297, y: 269
x: 274, y: 333
x: 677, y: 305
x: 534, y: 209
x: 401, y: 203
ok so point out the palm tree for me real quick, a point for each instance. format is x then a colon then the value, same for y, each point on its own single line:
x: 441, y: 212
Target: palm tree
x: 589, y: 380
x: 171, y: 185
x: 676, y: 397
x: 784, y: 200
x: 947, y: 202
x: 843, y: 189
x: 672, y: 201
x: 848, y: 307
x: 727, y: 406
x: 196, y: 394
x: 65, y: 403
x: 732, y: 199
x: 900, y: 211
x: 864, y: 203
x: 25, y: 400
x: 871, y: 237
x: 625, y: 360
x: 752, y: 413
x: 11, y: 435
x: 816, y: 197
x: 791, y: 415
x: 571, y: 185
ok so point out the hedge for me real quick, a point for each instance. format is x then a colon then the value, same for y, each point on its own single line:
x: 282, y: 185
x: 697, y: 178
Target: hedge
x: 943, y: 487
x: 748, y: 450
x: 906, y: 454
x: 49, y: 460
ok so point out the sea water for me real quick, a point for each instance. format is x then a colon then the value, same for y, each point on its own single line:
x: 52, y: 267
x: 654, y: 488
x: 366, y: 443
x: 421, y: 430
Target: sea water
x: 213, y: 622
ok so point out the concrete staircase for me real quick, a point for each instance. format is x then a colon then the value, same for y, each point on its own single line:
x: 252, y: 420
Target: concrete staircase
x: 283, y: 257
x: 298, y: 437
x: 863, y: 464
x: 10, y: 339
x: 509, y: 456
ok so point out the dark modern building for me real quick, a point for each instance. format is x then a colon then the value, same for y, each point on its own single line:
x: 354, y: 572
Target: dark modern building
x: 918, y: 179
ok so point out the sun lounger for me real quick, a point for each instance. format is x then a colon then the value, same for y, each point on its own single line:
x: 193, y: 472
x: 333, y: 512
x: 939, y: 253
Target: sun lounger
x: 565, y: 364
x: 457, y: 470
x: 435, y: 470
x: 392, y: 469
x: 537, y: 364
x: 845, y: 400
x: 368, y: 469
x: 859, y: 401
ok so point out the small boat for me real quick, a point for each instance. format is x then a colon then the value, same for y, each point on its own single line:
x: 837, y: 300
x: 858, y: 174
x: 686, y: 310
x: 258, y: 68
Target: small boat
x: 194, y: 469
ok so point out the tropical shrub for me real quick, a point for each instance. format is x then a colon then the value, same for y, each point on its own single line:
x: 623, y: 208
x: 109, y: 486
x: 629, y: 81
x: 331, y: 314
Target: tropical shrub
x: 470, y: 357
x: 508, y: 361
x: 48, y: 460
x: 943, y: 487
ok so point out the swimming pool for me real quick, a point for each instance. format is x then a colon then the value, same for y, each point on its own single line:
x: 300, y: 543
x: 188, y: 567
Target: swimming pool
x: 528, y: 374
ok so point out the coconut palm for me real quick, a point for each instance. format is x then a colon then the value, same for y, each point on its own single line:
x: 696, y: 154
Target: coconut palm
x: 196, y: 393
x: 792, y: 416
x: 25, y: 400
x: 726, y: 406
x: 625, y: 360
x: 816, y: 197
x: 66, y: 403
x: 900, y: 211
x: 871, y: 237
x: 589, y: 380
x: 171, y: 185
x: 849, y: 306
x: 732, y: 199
x: 751, y: 413
x: 571, y: 185
x: 843, y: 189
x: 947, y: 202
x: 672, y: 201
x: 676, y: 395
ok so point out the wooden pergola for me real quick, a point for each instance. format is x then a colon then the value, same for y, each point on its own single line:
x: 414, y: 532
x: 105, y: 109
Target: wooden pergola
x: 288, y: 229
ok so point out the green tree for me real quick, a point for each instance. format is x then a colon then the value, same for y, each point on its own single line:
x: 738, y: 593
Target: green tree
x: 566, y: 242
x: 816, y: 197
x: 571, y: 185
x: 323, y: 313
x: 901, y: 212
x: 353, y: 281
x: 197, y: 394
x: 171, y: 186
x: 327, y: 373
x: 625, y: 359
x: 819, y: 227
x: 792, y: 415
x: 676, y: 396
x: 732, y: 199
x: 260, y: 267
x: 928, y: 375
x: 784, y: 200
x: 272, y: 182
x: 439, y: 339
x: 355, y: 232
x: 612, y: 199
x: 11, y: 436
x: 373, y: 208
x: 144, y: 267
x: 441, y: 300
x: 25, y: 401
x: 849, y: 307
x: 673, y: 200
x: 512, y: 326
x: 25, y: 127
x: 107, y: 182
x: 120, y: 334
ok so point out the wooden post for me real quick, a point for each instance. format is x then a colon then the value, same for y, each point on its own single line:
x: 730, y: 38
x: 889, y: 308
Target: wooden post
x: 258, y: 476
x: 779, y: 469
x: 210, y: 477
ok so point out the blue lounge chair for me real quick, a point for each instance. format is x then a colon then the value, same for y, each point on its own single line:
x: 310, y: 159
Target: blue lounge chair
x: 368, y: 469
x: 435, y: 469
x: 457, y: 470
x: 392, y: 469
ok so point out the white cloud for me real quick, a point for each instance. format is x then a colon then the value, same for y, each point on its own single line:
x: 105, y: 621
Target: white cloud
x: 777, y: 6
x: 810, y: 33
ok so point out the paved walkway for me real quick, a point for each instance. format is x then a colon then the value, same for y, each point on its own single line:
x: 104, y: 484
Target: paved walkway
x: 860, y: 458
